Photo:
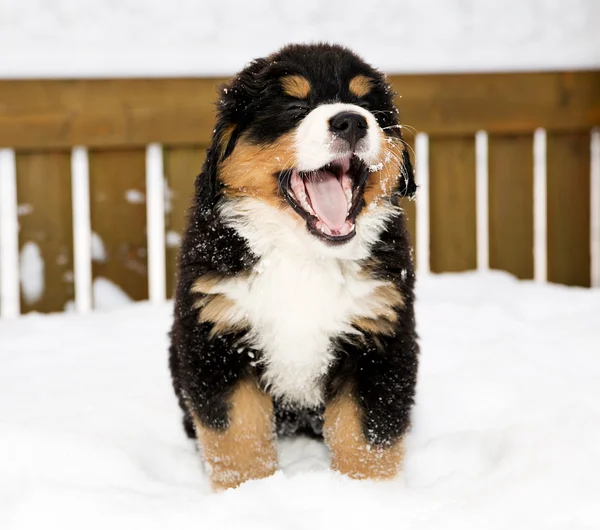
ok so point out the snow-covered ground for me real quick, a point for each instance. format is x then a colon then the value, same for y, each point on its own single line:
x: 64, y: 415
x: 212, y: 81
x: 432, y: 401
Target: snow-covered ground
x: 81, y: 38
x: 506, y: 429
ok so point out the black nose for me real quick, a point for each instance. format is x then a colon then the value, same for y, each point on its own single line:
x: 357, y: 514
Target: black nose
x: 349, y: 126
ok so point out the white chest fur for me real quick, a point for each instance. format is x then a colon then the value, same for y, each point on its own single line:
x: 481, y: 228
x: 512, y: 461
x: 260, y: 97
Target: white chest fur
x: 295, y: 306
x: 300, y: 295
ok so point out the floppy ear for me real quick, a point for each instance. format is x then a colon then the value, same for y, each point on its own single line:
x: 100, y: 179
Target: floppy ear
x: 207, y: 181
x: 224, y: 138
x: 235, y: 100
x: 407, y: 184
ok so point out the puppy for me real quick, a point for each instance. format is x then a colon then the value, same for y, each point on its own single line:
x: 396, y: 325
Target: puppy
x: 294, y: 303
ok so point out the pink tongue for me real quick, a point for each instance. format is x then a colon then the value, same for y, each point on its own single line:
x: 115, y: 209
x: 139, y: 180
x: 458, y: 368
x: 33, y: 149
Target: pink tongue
x: 328, y: 199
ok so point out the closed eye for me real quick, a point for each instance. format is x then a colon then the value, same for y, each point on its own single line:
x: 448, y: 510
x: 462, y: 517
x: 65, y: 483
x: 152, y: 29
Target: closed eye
x: 298, y: 110
x: 298, y: 106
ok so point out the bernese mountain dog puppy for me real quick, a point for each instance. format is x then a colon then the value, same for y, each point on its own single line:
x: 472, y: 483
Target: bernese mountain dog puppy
x: 294, y: 304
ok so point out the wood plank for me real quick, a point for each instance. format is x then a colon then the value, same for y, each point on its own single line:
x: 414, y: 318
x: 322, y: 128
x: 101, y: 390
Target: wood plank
x: 568, y: 208
x: 106, y: 112
x: 129, y: 112
x: 459, y: 104
x: 452, y: 204
x: 118, y: 218
x: 511, y: 204
x: 181, y: 166
x: 46, y: 230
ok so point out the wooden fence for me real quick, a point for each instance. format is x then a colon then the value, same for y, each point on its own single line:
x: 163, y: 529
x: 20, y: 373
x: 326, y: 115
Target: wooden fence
x: 115, y: 120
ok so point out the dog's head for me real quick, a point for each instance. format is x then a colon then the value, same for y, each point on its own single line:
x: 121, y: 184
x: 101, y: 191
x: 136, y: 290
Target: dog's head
x: 311, y: 131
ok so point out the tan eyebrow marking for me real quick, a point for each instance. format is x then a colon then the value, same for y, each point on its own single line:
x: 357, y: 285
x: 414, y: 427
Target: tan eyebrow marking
x: 296, y: 86
x: 361, y: 85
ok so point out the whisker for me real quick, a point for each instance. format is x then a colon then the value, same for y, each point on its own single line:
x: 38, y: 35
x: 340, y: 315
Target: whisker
x: 410, y: 128
x: 405, y: 143
x: 381, y: 111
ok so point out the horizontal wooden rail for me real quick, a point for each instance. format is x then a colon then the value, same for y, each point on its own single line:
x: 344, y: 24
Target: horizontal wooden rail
x: 51, y: 114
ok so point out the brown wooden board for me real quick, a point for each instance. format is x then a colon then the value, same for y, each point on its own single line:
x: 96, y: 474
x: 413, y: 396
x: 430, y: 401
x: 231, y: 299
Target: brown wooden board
x: 127, y: 112
x: 499, y: 103
x: 511, y: 203
x: 106, y: 112
x: 568, y: 208
x: 181, y: 166
x: 46, y: 230
x: 118, y: 219
x: 452, y: 204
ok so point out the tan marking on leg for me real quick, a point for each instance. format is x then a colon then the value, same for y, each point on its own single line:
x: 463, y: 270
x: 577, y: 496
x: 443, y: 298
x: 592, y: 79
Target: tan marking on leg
x: 296, y: 86
x: 246, y: 449
x: 351, y: 453
x: 361, y: 85
x: 251, y: 169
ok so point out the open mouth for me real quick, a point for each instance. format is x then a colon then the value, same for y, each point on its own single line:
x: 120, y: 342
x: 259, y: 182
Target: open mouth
x: 329, y: 198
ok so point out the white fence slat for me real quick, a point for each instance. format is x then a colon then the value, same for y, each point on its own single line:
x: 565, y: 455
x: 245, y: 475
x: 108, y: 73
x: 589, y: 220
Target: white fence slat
x: 482, y: 196
x: 9, y: 236
x: 155, y: 211
x: 540, y: 244
x: 82, y: 232
x: 422, y: 204
x: 595, y: 207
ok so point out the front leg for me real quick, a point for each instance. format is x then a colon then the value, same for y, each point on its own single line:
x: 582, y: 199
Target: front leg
x: 368, y: 412
x: 230, y: 415
x: 245, y: 448
x: 353, y: 453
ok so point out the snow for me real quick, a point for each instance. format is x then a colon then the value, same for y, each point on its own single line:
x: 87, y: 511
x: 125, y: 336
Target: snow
x: 173, y: 239
x: 168, y: 196
x: 108, y: 295
x: 24, y: 209
x: 31, y: 267
x: 98, y: 251
x: 83, y: 38
x: 505, y: 434
x: 135, y: 197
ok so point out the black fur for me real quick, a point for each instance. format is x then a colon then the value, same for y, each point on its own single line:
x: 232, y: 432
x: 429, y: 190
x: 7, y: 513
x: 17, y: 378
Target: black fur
x: 382, y: 369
